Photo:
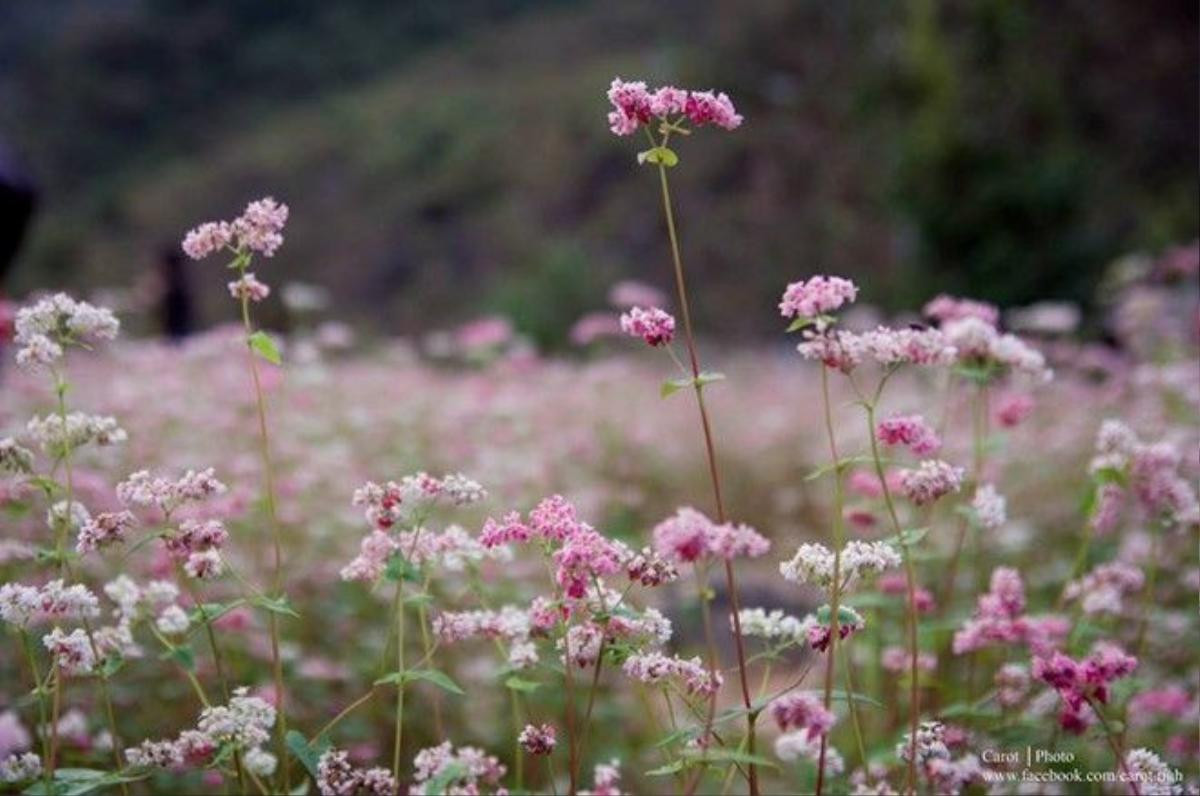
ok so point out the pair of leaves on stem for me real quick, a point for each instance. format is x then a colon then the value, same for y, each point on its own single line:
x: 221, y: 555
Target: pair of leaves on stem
x: 671, y: 386
x: 659, y: 155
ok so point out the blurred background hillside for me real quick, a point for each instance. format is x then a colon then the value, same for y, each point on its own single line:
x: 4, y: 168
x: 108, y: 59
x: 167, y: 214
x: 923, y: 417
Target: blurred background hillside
x: 445, y: 160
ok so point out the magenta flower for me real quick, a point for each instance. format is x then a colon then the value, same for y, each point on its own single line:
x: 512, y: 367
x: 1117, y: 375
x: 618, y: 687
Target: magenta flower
x: 817, y: 296
x: 635, y: 105
x: 653, y: 325
x: 802, y: 711
x: 911, y: 431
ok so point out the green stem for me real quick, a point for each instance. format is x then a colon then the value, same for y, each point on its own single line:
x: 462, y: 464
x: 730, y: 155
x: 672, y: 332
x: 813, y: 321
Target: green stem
x: 399, y: 608
x: 835, y: 585
x: 42, y: 710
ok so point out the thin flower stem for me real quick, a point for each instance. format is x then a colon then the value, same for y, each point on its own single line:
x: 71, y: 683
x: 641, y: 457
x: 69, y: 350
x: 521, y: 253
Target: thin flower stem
x: 848, y: 675
x: 1115, y: 745
x: 346, y: 711
x: 26, y: 644
x: 835, y: 590
x: 399, y: 609
x: 710, y: 450
x: 277, y: 576
x: 914, y: 706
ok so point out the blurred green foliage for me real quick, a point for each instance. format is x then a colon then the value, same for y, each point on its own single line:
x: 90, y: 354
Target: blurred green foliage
x: 448, y: 159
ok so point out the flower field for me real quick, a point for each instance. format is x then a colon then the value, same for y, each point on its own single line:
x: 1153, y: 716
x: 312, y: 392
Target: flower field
x: 948, y: 553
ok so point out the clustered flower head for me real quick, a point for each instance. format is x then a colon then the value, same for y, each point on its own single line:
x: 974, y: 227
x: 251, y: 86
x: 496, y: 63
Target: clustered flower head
x: 46, y: 327
x: 814, y: 563
x: 845, y: 351
x: 978, y: 342
x: 689, y: 536
x: 899, y: 660
x: 537, y: 739
x: 20, y: 767
x: 167, y: 495
x: 1151, y: 473
x: 244, y: 723
x: 1000, y: 619
x: 932, y: 479
x: 197, y: 545
x: 990, y: 507
x: 802, y: 711
x: 258, y: 229
x: 774, y: 626
x: 655, y: 667
x: 58, y: 435
x: 337, y: 776
x: 22, y: 605
x: 1102, y: 591
x: 249, y: 287
x: 820, y: 631
x: 653, y: 325
x: 797, y: 745
x: 103, y: 530
x: 606, y: 779
x: 1150, y: 773
x: 946, y: 308
x: 1079, y: 683
x: 387, y: 504
x: 473, y: 769
x: 816, y: 297
x: 911, y: 431
x: 14, y: 458
x: 635, y: 105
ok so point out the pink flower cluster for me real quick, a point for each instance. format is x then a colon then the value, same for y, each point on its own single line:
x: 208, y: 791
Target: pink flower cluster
x: 655, y: 667
x: 1102, y: 591
x: 1080, y: 682
x: 249, y: 288
x: 932, y: 479
x: 653, y: 325
x: 476, y: 766
x: 103, y: 530
x: 1000, y: 619
x: 688, y: 536
x: 845, y: 351
x: 537, y: 739
x: 337, y: 776
x: 802, y: 711
x: 911, y: 431
x: 386, y: 504
x: 1152, y: 473
x: 22, y: 605
x: 945, y: 308
x: 820, y: 295
x: 197, y: 545
x: 142, y: 489
x: 259, y: 229
x: 634, y: 105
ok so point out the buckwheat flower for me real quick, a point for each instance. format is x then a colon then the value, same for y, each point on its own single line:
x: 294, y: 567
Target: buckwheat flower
x: 730, y: 541
x: 1012, y: 684
x: 173, y: 621
x: 654, y: 667
x: 1145, y: 708
x: 125, y: 592
x: 37, y: 352
x: 476, y: 767
x: 653, y: 325
x: 952, y: 776
x: 14, y: 458
x: 907, y: 347
x: 820, y: 295
x: 1106, y: 514
x: 835, y: 349
x: 899, y: 660
x: 72, y: 652
x: 204, y: 565
x: 73, y: 517
x: 606, y: 778
x: 1149, y: 773
x: 160, y: 593
x: 931, y: 480
x: 376, y: 549
x: 683, y: 537
x: 1013, y: 408
x: 802, y: 711
x: 206, y: 239
x: 461, y: 490
x: 989, y: 507
x: 116, y: 640
x: 249, y: 287
x: 509, y: 529
x: 260, y: 226
x: 705, y: 107
x: 813, y: 563
x: 949, y: 308
x: 259, y: 762
x: 1013, y: 352
x: 104, y: 530
x: 336, y: 775
x: 195, y: 537
x: 155, y: 754
x: 537, y: 740
x: 971, y: 336
x: 143, y: 489
x: 43, y: 328
x: 246, y: 720
x: 792, y: 746
x: 382, y: 503
x: 650, y: 569
x: 776, y: 625
x: 668, y: 101
x: 930, y: 744
x: 58, y: 436
x: 585, y: 556
x: 911, y: 431
x: 631, y: 103
x: 20, y: 767
x: 850, y: 622
x: 13, y: 735
x: 19, y: 604
x: 1102, y: 591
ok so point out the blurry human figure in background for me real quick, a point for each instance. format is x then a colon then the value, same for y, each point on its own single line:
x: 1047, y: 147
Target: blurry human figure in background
x: 18, y: 200
x: 176, y: 304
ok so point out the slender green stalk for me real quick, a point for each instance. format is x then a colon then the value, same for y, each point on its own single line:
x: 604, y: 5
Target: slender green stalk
x: 276, y: 541
x: 710, y: 450
x: 38, y: 688
x: 399, y: 609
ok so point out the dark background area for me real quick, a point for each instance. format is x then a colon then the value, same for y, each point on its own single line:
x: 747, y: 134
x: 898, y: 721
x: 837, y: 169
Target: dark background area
x: 446, y: 159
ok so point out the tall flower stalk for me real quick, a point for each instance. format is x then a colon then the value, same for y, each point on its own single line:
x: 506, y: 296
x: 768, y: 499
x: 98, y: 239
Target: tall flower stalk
x: 672, y: 108
x: 258, y: 230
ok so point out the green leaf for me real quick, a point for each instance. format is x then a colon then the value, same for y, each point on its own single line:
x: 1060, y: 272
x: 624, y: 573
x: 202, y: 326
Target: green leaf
x: 212, y: 611
x: 855, y: 696
x: 659, y: 155
x: 672, y: 386
x: 441, y: 783
x: 845, y: 615
x: 400, y: 568
x: 708, y: 377
x: 307, y: 753
x: 663, y: 771
x: 428, y: 675
x: 518, y: 684
x: 261, y: 343
x: 182, y: 655
x: 112, y: 665
x: 725, y: 755
x: 907, y: 537
x: 843, y: 463
x: 276, y: 605
x: 418, y: 599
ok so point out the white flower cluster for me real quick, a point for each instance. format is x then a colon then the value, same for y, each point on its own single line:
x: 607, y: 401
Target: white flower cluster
x: 799, y: 744
x: 975, y: 339
x: 776, y: 625
x: 59, y: 436
x: 22, y: 605
x: 244, y: 723
x: 13, y: 457
x: 814, y: 563
x: 143, y: 489
x: 990, y: 507
x: 20, y: 767
x: 44, y: 328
